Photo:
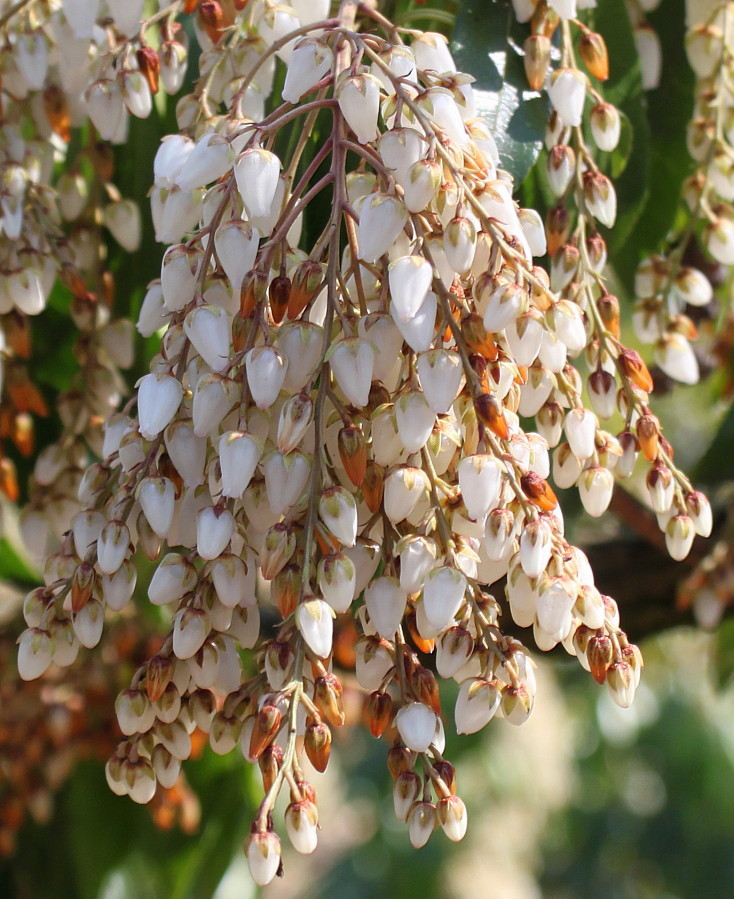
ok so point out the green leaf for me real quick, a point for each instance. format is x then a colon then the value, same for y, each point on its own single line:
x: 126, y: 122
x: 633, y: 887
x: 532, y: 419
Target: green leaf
x: 486, y: 44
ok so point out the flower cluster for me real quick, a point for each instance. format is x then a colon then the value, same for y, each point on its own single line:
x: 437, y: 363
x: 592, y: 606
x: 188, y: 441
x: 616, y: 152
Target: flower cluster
x: 670, y: 290
x: 353, y: 330
x: 618, y: 381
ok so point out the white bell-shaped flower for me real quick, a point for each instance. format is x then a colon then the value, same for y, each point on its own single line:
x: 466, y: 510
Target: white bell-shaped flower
x: 675, y: 355
x: 352, y: 360
x: 159, y: 396
x: 35, y: 653
x: 595, y: 489
x: 105, y: 106
x: 257, y: 173
x: 415, y: 420
x: 286, y: 476
x: 385, y: 600
x: 555, y: 602
x: 443, y: 594
x: 214, y: 530
x: 186, y: 451
x: 157, y: 497
x: 535, y: 547
x: 310, y: 60
x: 416, y: 724
x: 410, y: 279
x: 211, y: 157
x: 112, y: 546
x: 178, y: 281
x: 381, y: 219
x: 213, y: 398
x: 337, y: 580
x: 301, y: 822
x: 172, y: 579
x: 315, y: 621
x: 89, y: 623
x: 580, y: 426
x: 359, y: 101
x: 118, y: 588
x: 338, y: 511
x: 480, y: 481
x: 404, y: 488
x: 123, y: 221
x: 418, y: 331
x: 263, y: 856
x: 266, y: 369
x: 233, y: 581
x: 567, y: 93
x: 239, y: 454
x: 190, y: 629
x: 236, y: 243
x: 441, y: 376
x: 417, y: 558
x: 302, y: 344
x: 208, y: 328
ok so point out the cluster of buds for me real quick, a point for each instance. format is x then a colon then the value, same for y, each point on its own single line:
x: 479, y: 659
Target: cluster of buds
x: 51, y: 228
x: 48, y: 726
x: 618, y: 381
x: 670, y: 291
x: 332, y: 429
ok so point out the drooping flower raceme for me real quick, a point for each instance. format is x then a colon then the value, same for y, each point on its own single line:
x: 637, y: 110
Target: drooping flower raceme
x: 330, y: 435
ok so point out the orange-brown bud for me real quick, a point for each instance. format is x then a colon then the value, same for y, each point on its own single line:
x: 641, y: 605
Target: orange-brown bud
x: 328, y: 692
x: 318, y: 745
x: 307, y: 279
x: 608, y: 306
x: 545, y: 20
x: 270, y: 762
x: 22, y: 433
x: 424, y: 687
x: 23, y: 393
x: 82, y: 586
x: 557, y: 227
x: 379, y: 712
x: 447, y: 773
x: 478, y: 338
x: 353, y: 453
x: 633, y: 368
x: 490, y: 413
x: 9, y: 480
x: 373, y: 485
x: 267, y: 723
x: 648, y: 433
x: 158, y: 674
x: 57, y: 112
x: 278, y: 294
x: 18, y: 333
x: 539, y: 491
x: 594, y: 53
x: 253, y: 291
x: 536, y: 60
x: 285, y: 589
x: 398, y: 760
x: 211, y: 17
x: 599, y: 654
x: 150, y: 66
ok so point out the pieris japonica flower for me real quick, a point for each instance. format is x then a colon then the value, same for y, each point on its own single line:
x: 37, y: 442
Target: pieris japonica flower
x: 352, y: 325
